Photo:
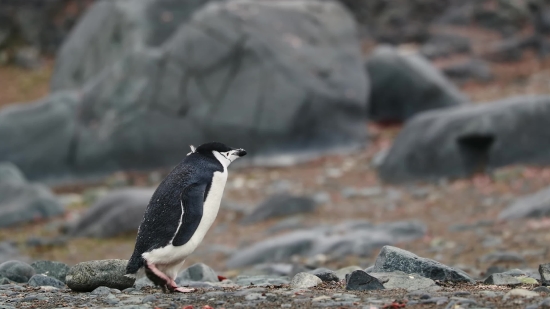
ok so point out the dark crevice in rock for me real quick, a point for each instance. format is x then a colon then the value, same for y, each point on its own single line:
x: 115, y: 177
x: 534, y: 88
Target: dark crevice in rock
x: 474, y: 150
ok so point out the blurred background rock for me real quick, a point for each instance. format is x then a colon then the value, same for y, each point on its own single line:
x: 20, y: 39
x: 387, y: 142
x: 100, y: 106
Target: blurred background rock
x: 420, y: 124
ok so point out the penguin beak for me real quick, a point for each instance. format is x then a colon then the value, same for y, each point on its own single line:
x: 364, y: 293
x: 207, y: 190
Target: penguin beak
x: 241, y: 152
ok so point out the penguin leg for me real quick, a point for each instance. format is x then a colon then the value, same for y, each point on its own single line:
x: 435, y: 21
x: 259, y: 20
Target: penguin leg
x: 166, y: 281
x: 172, y: 272
x: 158, y: 277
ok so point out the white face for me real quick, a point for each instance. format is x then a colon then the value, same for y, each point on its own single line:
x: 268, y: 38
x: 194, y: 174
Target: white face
x: 227, y: 157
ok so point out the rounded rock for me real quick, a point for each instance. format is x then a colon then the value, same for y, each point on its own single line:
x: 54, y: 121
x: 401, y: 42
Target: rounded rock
x: 87, y: 276
x: 304, y: 281
x: 43, y: 280
x: 17, y: 271
x: 52, y: 269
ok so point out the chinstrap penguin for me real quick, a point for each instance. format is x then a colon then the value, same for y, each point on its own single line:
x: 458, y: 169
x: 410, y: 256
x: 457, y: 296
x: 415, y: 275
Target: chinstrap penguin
x: 180, y: 212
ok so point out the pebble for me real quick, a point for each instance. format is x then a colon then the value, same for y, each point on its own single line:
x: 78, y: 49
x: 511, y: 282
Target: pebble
x: 42, y: 280
x: 102, y: 290
x: 198, y: 272
x: 254, y: 296
x: 149, y: 299
x: 304, y: 281
x: 328, y: 277
x: 520, y: 293
x: 342, y: 272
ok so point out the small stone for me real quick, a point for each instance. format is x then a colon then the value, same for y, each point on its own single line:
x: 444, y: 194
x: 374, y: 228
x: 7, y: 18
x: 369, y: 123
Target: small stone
x: 87, y: 276
x: 198, y: 272
x: 361, y: 281
x: 254, y: 296
x: 342, y: 272
x: 102, y: 290
x: 520, y: 293
x: 143, y: 282
x: 327, y: 276
x: 149, y: 299
x: 52, y: 269
x: 542, y: 289
x: 304, y: 281
x: 501, y: 279
x: 260, y: 280
x: 17, y: 271
x: 42, y: 280
x: 489, y: 294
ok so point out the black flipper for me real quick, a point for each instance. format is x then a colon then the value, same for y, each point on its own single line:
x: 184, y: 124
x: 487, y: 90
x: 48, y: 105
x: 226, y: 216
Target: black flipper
x: 192, y: 200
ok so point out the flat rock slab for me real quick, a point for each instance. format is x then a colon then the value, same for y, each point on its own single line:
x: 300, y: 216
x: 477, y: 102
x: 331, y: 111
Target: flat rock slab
x: 502, y: 279
x: 394, y: 259
x: 409, y: 282
x: 87, y: 276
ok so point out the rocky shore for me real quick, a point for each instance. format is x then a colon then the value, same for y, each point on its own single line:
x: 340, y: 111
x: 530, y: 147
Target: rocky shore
x: 398, y: 279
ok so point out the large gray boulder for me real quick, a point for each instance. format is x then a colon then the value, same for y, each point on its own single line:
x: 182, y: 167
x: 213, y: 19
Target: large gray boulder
x: 405, y: 84
x: 22, y: 202
x: 118, y: 212
x: 281, y: 79
x: 458, y: 142
x: 535, y: 205
x: 40, y: 137
x: 124, y: 26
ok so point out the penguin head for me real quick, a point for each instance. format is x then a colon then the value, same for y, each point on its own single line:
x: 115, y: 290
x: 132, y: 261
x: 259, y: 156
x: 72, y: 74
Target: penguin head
x: 224, y: 154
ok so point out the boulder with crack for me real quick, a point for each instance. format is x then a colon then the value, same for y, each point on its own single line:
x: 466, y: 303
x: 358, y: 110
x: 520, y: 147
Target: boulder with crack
x: 461, y: 141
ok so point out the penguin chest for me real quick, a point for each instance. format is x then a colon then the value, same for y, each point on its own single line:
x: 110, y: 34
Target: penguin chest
x: 210, y: 207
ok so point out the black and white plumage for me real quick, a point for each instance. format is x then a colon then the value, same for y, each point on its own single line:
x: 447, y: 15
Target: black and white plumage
x: 180, y: 212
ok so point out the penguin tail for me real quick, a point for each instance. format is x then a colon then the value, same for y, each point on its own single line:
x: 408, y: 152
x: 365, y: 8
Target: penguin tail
x: 135, y: 263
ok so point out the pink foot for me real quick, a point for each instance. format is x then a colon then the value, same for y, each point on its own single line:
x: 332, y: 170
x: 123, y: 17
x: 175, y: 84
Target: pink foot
x: 183, y: 290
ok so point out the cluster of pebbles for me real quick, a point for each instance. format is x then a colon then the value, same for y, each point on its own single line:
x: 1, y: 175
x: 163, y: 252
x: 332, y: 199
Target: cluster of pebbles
x: 398, y: 279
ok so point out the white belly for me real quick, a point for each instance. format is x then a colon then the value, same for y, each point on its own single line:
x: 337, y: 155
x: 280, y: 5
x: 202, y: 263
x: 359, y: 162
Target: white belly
x: 175, y: 255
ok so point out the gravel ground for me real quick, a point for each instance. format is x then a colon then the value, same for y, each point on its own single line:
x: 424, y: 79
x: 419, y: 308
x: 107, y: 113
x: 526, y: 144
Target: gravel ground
x: 325, y: 295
